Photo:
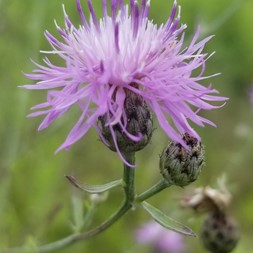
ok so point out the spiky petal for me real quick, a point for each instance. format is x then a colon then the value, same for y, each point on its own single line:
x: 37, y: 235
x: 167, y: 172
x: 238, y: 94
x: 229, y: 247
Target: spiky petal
x: 104, y: 58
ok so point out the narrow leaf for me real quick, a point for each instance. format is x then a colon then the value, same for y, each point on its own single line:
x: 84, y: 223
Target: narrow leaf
x: 166, y: 221
x: 78, y: 211
x: 93, y: 188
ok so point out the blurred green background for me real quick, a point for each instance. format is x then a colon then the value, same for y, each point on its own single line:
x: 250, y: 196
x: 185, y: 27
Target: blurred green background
x: 36, y: 201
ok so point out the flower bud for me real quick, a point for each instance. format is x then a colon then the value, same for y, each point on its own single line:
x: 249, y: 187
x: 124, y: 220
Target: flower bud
x: 179, y: 165
x: 220, y: 233
x: 139, y: 123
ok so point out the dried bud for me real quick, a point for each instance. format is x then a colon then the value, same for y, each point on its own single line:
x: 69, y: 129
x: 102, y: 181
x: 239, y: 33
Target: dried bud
x: 181, y: 166
x: 220, y: 233
x: 208, y: 199
x: 139, y: 123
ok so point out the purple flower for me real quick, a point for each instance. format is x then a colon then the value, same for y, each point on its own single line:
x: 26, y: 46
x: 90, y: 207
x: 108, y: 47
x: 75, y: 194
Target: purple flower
x: 160, y: 238
x: 124, y: 51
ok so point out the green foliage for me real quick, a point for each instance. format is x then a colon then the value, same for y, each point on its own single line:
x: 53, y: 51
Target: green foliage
x: 36, y: 206
x: 94, y: 188
x: 166, y: 221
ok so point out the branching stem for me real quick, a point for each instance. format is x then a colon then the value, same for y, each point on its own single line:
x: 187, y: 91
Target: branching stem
x: 130, y: 200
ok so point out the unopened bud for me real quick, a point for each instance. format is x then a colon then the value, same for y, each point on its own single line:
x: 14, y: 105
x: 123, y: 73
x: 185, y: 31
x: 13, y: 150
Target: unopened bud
x: 139, y: 123
x: 181, y: 166
x: 220, y: 233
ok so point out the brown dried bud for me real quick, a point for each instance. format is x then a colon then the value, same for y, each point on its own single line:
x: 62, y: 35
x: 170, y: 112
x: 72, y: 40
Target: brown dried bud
x: 208, y: 199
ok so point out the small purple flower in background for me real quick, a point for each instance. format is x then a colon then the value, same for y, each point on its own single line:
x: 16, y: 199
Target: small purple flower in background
x: 160, y: 238
x: 124, y: 53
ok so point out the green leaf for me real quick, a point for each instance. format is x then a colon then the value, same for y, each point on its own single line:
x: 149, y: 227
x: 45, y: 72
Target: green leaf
x: 78, y: 211
x: 94, y: 188
x: 166, y: 221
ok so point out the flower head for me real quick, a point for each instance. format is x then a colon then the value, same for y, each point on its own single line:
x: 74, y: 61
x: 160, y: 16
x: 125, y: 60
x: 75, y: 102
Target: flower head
x: 160, y: 238
x: 122, y: 53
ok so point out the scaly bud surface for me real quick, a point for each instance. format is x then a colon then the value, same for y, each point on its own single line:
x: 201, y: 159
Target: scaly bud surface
x: 138, y: 123
x: 180, y: 165
x: 220, y: 233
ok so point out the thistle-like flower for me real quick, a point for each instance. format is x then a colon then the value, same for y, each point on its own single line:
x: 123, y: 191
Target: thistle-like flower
x: 122, y: 53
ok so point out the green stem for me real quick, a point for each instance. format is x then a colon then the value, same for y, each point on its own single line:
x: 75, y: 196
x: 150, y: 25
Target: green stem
x: 83, y: 236
x: 69, y: 240
x: 161, y: 185
x: 129, y: 190
x: 128, y: 179
x: 130, y: 198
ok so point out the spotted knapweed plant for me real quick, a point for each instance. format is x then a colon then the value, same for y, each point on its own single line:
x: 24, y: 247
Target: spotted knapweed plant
x: 119, y: 71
